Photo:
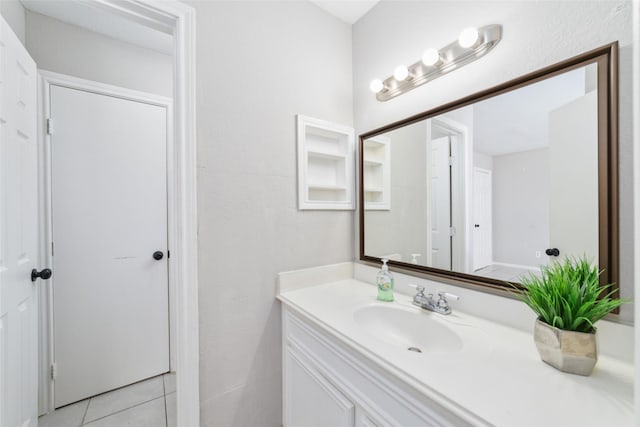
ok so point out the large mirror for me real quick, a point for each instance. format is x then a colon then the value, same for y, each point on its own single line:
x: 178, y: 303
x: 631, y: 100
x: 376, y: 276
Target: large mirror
x: 492, y: 187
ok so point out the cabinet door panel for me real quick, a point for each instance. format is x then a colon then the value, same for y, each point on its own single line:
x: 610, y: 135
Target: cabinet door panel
x: 311, y: 400
x: 363, y: 420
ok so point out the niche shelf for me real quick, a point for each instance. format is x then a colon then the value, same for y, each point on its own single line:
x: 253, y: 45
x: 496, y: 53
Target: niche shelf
x: 377, y: 173
x: 325, y: 165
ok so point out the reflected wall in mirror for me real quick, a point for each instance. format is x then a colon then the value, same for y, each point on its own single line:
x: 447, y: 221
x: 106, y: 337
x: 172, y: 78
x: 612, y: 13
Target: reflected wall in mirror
x: 497, y: 185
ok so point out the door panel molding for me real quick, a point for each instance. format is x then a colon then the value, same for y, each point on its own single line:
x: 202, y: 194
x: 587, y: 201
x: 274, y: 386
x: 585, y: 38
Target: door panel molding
x: 18, y: 232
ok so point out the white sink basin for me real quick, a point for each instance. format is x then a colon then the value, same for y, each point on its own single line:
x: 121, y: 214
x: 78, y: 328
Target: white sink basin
x: 407, y: 328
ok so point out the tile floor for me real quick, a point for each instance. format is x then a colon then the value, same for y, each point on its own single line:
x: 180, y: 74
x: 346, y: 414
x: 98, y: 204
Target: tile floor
x: 503, y: 272
x: 149, y: 403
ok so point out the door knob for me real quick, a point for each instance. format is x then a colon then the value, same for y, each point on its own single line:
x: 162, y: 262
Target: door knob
x: 158, y: 255
x: 44, y: 274
x: 552, y: 252
x: 476, y: 225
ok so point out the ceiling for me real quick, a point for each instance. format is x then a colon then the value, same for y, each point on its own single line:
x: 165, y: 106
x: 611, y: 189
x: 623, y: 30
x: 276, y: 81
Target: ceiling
x: 348, y: 11
x: 515, y: 121
x: 91, y: 16
x: 519, y: 120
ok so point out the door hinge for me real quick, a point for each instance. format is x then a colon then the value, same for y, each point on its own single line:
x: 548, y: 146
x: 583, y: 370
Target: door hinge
x: 452, y: 231
x: 54, y: 371
x: 451, y: 159
x: 49, y: 126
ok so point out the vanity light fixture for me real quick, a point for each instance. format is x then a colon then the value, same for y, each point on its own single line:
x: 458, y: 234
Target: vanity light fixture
x: 431, y: 57
x: 468, y: 37
x: 472, y: 44
x: 401, y: 73
x: 376, y: 85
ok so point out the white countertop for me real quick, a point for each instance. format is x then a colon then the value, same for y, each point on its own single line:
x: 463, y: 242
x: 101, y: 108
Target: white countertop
x: 497, y: 376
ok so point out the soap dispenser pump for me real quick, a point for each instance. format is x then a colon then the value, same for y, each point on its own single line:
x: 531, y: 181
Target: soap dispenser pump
x: 384, y: 280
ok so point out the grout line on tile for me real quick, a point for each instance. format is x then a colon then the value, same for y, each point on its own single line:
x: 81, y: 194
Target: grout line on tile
x: 121, y: 388
x: 86, y: 409
x: 125, y: 409
x: 164, y: 392
x: 166, y: 416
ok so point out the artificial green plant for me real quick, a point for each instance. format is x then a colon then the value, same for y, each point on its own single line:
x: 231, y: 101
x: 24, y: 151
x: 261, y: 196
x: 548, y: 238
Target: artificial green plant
x: 568, y: 295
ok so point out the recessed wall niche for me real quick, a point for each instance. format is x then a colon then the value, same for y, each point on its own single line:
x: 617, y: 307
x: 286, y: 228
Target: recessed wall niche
x: 326, y: 167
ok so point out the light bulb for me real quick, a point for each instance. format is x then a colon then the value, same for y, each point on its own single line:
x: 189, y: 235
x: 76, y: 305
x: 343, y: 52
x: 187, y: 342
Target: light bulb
x: 430, y: 57
x: 468, y: 37
x: 376, y: 85
x: 400, y: 73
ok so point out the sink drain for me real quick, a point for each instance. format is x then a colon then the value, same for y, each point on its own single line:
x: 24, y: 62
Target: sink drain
x: 415, y: 349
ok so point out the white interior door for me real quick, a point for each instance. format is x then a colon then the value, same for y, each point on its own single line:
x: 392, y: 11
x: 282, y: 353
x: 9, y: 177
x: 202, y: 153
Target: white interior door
x: 18, y: 233
x: 440, y: 203
x: 482, y: 218
x: 109, y: 207
x: 573, y: 193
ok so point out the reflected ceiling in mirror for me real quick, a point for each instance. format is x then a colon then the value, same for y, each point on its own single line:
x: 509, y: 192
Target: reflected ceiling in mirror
x: 492, y: 187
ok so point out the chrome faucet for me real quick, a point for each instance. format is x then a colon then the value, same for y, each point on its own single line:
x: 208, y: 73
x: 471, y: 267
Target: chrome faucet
x: 429, y: 303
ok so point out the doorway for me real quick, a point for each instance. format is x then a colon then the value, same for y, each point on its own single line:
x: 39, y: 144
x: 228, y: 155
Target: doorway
x: 447, y: 188
x: 441, y: 226
x: 177, y: 19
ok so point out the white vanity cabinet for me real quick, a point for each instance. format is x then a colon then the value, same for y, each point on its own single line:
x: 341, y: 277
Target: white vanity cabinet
x: 326, y: 383
x: 342, y: 368
x: 312, y: 400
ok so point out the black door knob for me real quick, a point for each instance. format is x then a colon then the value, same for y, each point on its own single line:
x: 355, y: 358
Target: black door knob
x: 476, y: 225
x: 552, y: 252
x: 44, y: 274
x: 158, y: 255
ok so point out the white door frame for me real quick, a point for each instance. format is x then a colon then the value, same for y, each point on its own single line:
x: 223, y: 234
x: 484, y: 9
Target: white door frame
x: 45, y: 81
x: 462, y: 149
x: 178, y: 19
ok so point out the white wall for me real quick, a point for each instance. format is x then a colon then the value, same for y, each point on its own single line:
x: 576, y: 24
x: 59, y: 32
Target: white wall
x: 520, y: 207
x: 14, y: 13
x: 535, y: 35
x: 72, y: 50
x: 481, y: 160
x: 636, y: 182
x: 259, y: 64
x: 403, y: 229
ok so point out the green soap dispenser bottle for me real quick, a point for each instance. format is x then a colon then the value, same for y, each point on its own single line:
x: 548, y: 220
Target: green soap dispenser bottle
x: 384, y: 280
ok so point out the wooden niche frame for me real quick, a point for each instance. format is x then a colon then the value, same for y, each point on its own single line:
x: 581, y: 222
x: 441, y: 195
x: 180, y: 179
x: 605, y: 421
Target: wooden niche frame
x: 606, y: 58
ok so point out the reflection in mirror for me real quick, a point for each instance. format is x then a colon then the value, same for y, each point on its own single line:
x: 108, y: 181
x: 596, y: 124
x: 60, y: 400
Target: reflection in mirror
x: 495, y: 188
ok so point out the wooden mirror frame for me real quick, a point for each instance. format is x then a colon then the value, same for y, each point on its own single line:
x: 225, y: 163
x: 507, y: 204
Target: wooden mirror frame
x: 606, y: 58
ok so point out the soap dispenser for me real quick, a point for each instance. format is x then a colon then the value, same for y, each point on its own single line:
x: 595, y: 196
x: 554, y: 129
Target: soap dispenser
x: 384, y: 280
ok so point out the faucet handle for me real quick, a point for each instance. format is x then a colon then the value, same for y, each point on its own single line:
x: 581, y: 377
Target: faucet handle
x: 444, y: 295
x: 419, y: 289
x: 443, y: 304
